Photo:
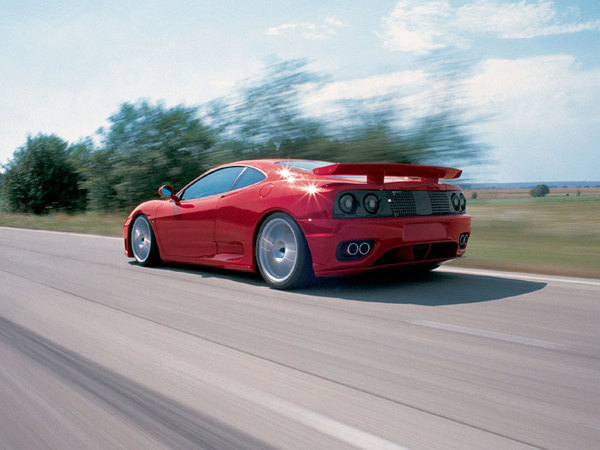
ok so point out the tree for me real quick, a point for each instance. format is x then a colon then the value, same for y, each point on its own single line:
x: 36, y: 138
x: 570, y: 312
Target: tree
x: 264, y: 118
x: 1, y: 201
x: 146, y: 146
x: 40, y: 178
x: 268, y: 118
x: 541, y: 190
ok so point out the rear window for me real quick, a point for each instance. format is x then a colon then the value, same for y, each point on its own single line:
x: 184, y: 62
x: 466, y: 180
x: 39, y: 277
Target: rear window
x: 303, y: 166
x: 248, y: 176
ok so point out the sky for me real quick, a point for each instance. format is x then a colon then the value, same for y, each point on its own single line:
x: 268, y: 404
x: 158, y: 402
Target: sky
x: 529, y: 70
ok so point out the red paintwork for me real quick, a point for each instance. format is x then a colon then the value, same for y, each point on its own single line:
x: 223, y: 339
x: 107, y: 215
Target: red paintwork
x: 220, y: 230
x: 377, y: 172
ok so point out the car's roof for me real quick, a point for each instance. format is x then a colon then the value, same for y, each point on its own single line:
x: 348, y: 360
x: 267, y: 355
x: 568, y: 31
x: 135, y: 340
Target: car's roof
x: 351, y: 173
x: 302, y: 167
x: 271, y: 164
x: 270, y: 161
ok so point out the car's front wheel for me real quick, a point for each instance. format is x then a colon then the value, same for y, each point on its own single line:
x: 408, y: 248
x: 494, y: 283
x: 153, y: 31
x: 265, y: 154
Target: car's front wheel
x: 282, y: 254
x: 143, y: 242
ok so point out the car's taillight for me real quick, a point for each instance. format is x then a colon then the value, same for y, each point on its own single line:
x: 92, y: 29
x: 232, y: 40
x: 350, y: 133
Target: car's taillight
x: 347, y: 203
x: 359, y: 203
x: 371, y: 203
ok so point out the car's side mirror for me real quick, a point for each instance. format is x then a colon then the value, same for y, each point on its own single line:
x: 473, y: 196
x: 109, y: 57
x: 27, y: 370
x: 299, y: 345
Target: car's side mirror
x: 167, y: 191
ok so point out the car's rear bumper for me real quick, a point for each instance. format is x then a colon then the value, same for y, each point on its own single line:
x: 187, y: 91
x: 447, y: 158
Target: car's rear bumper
x: 394, y: 241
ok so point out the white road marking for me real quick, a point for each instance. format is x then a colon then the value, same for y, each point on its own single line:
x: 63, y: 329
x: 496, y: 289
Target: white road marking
x: 338, y: 430
x: 331, y: 427
x: 520, y: 276
x: 489, y: 334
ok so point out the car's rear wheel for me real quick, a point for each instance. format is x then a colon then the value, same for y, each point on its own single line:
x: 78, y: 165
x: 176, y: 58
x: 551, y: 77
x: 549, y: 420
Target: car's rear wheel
x: 143, y: 242
x: 282, y: 254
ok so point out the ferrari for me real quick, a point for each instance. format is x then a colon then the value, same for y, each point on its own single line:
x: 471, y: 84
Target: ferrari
x: 292, y: 220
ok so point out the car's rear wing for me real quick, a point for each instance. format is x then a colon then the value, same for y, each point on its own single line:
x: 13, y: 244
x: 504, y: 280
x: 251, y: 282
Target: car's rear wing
x: 376, y: 173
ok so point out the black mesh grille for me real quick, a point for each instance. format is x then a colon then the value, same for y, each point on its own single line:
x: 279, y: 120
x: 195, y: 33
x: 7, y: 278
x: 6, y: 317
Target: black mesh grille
x: 402, y: 203
x: 439, y: 202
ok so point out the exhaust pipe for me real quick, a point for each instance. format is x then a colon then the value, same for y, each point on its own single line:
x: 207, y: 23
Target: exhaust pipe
x: 364, y: 248
x: 352, y: 248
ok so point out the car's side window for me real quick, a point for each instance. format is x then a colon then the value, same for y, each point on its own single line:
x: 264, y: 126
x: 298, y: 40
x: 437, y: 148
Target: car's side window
x: 248, y: 177
x: 212, y: 184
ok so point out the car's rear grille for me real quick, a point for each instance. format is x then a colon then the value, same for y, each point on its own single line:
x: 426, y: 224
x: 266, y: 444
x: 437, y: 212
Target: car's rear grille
x: 440, y: 203
x: 402, y: 203
x: 417, y: 203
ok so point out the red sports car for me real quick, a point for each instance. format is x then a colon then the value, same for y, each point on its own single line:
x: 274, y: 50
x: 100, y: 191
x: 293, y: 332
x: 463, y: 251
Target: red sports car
x: 294, y: 219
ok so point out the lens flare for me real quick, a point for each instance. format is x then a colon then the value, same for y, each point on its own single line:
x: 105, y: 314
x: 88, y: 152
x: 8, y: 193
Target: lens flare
x: 311, y: 190
x: 287, y: 175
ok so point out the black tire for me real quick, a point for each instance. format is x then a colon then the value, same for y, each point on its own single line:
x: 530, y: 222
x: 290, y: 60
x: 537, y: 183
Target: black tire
x: 282, y: 254
x: 143, y: 242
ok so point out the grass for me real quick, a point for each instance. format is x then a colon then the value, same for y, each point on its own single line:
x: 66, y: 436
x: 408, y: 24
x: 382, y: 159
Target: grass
x: 524, y: 193
x: 87, y: 223
x: 554, y: 235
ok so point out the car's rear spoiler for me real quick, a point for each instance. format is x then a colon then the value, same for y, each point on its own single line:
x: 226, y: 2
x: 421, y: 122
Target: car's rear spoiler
x: 376, y: 173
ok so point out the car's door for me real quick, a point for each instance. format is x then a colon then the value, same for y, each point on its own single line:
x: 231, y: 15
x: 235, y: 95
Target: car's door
x: 186, y: 228
x: 238, y: 212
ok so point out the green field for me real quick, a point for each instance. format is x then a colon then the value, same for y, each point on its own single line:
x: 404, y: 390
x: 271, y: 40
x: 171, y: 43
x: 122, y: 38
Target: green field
x: 88, y: 223
x: 557, y: 235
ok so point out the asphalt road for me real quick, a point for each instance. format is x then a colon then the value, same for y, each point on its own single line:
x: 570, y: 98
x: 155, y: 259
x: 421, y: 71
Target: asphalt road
x: 98, y: 352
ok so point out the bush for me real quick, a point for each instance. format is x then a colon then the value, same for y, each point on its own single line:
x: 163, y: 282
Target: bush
x: 146, y: 146
x: 40, y: 178
x: 541, y: 190
x: 474, y: 195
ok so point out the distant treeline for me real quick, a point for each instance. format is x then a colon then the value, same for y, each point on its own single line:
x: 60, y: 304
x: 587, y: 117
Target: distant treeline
x: 147, y: 145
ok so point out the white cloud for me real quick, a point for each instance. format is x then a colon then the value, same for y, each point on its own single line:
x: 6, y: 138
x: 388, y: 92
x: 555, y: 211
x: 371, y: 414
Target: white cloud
x: 227, y: 84
x: 276, y: 31
x: 335, y: 22
x: 373, y: 86
x: 535, y: 91
x: 417, y: 27
x: 308, y: 30
x: 422, y: 27
x: 517, y: 20
x: 544, y: 116
x: 409, y: 90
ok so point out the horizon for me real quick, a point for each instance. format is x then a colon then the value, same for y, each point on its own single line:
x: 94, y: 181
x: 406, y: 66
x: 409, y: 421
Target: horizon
x: 552, y: 184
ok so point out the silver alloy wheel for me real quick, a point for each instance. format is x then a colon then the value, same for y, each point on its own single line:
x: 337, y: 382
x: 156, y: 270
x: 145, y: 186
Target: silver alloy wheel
x: 141, y: 239
x: 278, y: 250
